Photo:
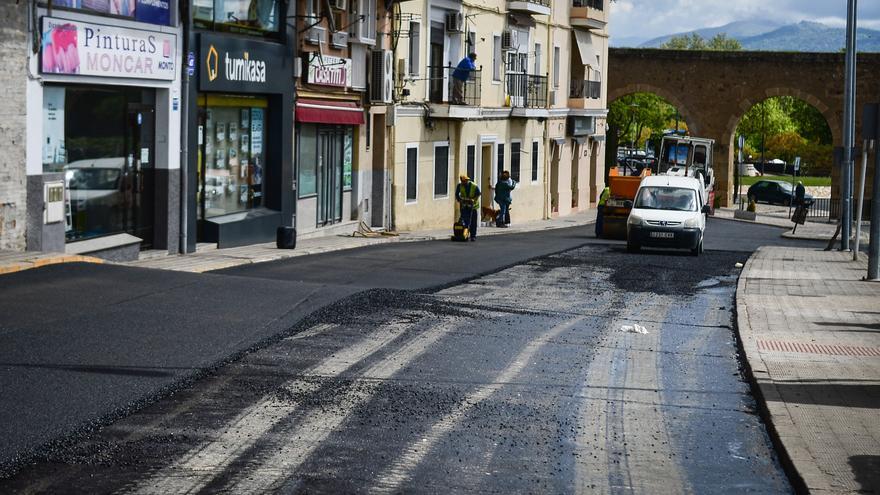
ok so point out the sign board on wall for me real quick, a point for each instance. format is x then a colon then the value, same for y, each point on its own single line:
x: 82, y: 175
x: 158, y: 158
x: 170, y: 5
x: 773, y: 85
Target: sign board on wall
x: 243, y: 66
x: 328, y: 71
x: 151, y: 11
x: 89, y: 49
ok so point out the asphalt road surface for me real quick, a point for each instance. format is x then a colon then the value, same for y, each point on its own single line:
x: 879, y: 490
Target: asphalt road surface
x: 505, y: 374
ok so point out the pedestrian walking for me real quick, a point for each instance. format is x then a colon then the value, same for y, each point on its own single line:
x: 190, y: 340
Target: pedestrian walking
x: 800, y: 193
x: 503, y: 189
x: 467, y: 194
x: 600, y: 210
x: 460, y: 76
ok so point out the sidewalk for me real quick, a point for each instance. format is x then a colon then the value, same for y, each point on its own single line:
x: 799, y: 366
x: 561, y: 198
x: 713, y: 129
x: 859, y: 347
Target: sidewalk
x: 778, y: 217
x: 207, y: 259
x: 810, y: 329
x: 16, y: 261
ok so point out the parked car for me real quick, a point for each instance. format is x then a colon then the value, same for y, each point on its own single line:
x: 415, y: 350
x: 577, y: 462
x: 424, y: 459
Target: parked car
x: 667, y: 212
x: 775, y: 192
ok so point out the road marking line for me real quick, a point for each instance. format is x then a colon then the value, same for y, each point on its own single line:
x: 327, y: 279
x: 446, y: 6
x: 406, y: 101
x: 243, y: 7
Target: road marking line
x: 296, y: 446
x: 391, y: 479
x: 200, y: 465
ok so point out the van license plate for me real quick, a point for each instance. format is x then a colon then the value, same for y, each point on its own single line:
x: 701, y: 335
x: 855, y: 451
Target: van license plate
x: 663, y: 235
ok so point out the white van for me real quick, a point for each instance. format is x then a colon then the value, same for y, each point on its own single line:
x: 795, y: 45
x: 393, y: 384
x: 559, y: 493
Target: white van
x: 667, y: 212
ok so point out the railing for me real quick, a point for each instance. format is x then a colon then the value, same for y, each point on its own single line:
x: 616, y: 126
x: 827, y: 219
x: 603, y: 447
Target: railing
x: 593, y: 4
x: 527, y: 90
x: 585, y: 89
x: 545, y: 3
x: 829, y: 209
x: 457, y: 91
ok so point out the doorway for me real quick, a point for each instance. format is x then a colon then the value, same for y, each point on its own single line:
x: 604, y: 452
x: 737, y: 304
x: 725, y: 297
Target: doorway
x: 486, y: 174
x: 436, y: 74
x: 329, y: 175
x: 377, y: 214
x: 554, y: 176
x: 138, y: 172
x: 576, y: 150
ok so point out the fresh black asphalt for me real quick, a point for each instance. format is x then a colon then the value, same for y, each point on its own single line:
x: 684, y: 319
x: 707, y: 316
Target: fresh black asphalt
x: 84, y: 344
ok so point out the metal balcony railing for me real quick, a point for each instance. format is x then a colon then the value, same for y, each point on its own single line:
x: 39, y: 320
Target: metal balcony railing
x: 585, y: 89
x: 527, y: 90
x: 545, y: 3
x: 445, y: 87
x: 593, y: 4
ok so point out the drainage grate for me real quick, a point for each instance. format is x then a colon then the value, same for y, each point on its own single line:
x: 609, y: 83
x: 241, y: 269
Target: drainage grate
x: 831, y: 350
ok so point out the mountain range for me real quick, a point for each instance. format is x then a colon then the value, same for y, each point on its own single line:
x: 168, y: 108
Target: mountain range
x: 804, y: 36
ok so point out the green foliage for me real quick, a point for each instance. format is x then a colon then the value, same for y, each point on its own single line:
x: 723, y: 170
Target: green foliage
x: 639, y: 116
x: 693, y: 41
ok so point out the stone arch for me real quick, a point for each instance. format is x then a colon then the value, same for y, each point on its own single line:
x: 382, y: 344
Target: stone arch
x: 689, y: 117
x: 747, y: 103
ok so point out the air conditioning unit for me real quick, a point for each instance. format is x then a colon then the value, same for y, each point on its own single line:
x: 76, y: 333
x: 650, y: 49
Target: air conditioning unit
x: 338, y: 4
x: 316, y: 35
x: 403, y: 69
x: 339, y: 39
x: 382, y: 74
x: 454, y: 22
x: 509, y: 39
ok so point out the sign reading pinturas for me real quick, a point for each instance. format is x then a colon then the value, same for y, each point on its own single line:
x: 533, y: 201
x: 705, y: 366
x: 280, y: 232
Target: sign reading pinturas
x: 89, y: 49
x: 243, y: 66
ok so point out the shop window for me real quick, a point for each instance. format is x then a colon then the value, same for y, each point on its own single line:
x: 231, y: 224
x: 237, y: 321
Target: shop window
x: 307, y: 159
x: 156, y: 12
x: 441, y: 170
x: 252, y: 16
x: 233, y: 154
x: 535, y: 147
x: 412, y: 173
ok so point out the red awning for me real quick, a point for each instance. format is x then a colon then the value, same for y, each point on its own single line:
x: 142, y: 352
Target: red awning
x: 329, y: 112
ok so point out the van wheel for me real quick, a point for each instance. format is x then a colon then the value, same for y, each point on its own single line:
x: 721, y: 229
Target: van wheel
x: 697, y: 250
x: 632, y: 247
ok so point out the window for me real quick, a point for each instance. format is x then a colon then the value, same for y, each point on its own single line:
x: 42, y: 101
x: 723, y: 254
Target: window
x: 234, y: 15
x: 363, y: 30
x: 441, y: 170
x: 155, y: 13
x: 500, y: 161
x: 555, y: 66
x: 307, y: 153
x: 535, y: 147
x: 358, y: 66
x: 497, y: 58
x: 472, y: 161
x: 538, y: 69
x: 412, y: 172
x: 515, y: 160
x: 471, y: 42
x: 414, y: 31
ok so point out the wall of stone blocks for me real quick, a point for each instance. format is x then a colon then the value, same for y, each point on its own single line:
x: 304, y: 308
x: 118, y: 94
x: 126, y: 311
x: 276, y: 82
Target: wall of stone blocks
x: 13, y: 77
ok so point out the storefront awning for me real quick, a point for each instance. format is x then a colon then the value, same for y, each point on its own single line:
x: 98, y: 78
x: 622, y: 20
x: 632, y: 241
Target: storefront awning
x: 329, y: 112
x: 585, y: 48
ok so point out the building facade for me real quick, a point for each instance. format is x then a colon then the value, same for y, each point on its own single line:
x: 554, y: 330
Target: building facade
x: 14, y: 42
x: 535, y: 106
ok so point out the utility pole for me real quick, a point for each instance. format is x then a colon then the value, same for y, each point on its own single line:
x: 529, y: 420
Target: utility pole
x: 871, y: 131
x: 848, y: 127
x: 763, y: 133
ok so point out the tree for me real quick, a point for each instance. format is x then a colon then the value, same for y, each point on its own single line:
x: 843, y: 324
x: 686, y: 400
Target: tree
x: 785, y: 146
x: 637, y: 114
x: 693, y: 41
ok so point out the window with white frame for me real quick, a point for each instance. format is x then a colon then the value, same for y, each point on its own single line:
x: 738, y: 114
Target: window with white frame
x: 441, y: 169
x: 497, y: 58
x: 556, y: 61
x: 472, y: 161
x: 515, y: 147
x: 412, y: 173
x: 358, y: 66
x: 536, y: 146
x: 500, y: 161
x: 414, y: 35
x: 363, y: 30
x: 538, y: 68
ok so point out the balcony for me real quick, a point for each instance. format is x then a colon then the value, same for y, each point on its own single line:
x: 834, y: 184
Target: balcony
x: 451, y: 97
x: 527, y: 91
x: 590, y: 14
x: 536, y: 7
x: 585, y: 95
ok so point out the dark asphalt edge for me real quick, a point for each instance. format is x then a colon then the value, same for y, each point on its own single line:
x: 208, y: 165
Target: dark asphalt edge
x: 46, y: 451
x: 782, y: 454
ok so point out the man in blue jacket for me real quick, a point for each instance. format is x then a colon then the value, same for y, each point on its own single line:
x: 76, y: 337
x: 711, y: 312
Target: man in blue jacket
x: 460, y: 75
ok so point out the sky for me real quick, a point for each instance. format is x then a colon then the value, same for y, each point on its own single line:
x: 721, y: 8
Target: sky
x: 647, y: 19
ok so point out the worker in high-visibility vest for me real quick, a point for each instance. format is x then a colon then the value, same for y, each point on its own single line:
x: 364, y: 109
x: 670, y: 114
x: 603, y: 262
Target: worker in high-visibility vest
x: 468, y: 196
x: 600, y: 211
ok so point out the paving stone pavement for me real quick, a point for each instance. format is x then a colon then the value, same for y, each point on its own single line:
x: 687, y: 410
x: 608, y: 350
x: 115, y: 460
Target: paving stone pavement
x: 810, y: 329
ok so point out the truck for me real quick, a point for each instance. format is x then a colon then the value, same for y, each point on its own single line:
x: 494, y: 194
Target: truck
x: 623, y: 191
x: 688, y: 156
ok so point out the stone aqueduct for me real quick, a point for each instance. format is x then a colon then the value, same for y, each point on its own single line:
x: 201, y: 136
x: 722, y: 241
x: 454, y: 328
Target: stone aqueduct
x: 713, y: 90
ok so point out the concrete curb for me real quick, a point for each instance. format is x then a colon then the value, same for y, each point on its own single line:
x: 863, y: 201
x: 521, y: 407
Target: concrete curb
x: 756, y: 370
x: 39, y: 261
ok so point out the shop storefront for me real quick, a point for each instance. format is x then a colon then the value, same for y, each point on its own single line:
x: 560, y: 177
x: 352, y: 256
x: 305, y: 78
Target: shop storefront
x: 241, y: 127
x: 108, y: 140
x: 326, y: 130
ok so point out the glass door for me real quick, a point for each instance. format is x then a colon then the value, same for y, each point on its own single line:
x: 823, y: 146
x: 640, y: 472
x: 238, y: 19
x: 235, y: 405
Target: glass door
x: 138, y: 174
x: 329, y: 175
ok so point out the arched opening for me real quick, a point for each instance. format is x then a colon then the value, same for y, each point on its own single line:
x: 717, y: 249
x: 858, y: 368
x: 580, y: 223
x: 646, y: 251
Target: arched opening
x: 786, y: 139
x: 636, y: 124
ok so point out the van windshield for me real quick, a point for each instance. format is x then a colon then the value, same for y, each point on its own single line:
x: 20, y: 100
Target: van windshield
x: 666, y: 198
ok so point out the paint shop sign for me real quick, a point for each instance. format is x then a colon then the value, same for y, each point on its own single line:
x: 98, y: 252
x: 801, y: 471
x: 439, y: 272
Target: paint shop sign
x: 88, y: 49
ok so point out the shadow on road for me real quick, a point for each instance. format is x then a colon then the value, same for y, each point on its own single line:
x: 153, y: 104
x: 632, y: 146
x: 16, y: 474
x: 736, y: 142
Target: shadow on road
x: 825, y: 394
x: 867, y: 471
